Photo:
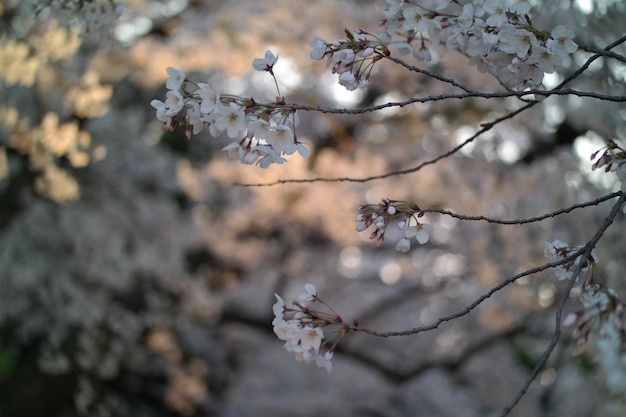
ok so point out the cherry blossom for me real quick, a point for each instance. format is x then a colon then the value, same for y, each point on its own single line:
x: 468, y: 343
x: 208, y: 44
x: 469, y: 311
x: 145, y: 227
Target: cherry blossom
x: 497, y: 36
x: 309, y: 295
x: 279, y: 307
x: 403, y: 244
x: 381, y: 215
x: 266, y: 63
x: 324, y: 361
x: 420, y: 232
x: 561, y: 42
x: 602, y: 313
x: 262, y: 133
x: 612, y: 159
x: 231, y: 119
x: 175, y: 80
x: 174, y: 102
x: 557, y: 250
x: 319, y: 48
x: 161, y: 113
x: 210, y: 98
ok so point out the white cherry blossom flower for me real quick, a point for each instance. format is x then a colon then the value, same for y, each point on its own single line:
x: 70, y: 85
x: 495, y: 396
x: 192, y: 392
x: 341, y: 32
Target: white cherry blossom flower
x: 231, y: 119
x: 210, y: 98
x: 279, y: 307
x: 561, y: 42
x: 174, y: 102
x: 544, y: 59
x: 234, y: 150
x: 280, y: 137
x: 161, y: 109
x: 325, y: 361
x: 343, y: 60
x: 175, y: 80
x: 266, y: 63
x: 403, y: 245
x: 414, y: 19
x: 348, y: 80
x: 516, y: 41
x: 307, y: 338
x: 281, y: 328
x: 404, y: 48
x: 194, y: 118
x: 319, y: 48
x: 305, y: 356
x: 557, y: 250
x: 420, y: 232
x: 309, y: 295
x: 496, y: 10
x: 422, y: 54
x: 270, y: 158
x: 554, y: 250
x: 297, y: 147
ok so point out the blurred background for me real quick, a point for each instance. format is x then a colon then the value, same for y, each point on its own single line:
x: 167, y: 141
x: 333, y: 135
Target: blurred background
x: 137, y: 280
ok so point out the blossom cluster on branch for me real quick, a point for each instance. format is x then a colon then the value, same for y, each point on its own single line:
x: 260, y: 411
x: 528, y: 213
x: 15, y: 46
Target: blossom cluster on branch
x: 380, y: 215
x: 261, y: 133
x: 497, y: 36
x: 603, y: 314
x: 303, y: 333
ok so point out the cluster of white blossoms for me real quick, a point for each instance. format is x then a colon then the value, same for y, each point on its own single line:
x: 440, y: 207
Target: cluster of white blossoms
x: 602, y: 314
x: 261, y: 133
x: 380, y: 215
x: 93, y: 14
x: 497, y: 35
x: 303, y: 333
x: 353, y: 58
x: 556, y: 251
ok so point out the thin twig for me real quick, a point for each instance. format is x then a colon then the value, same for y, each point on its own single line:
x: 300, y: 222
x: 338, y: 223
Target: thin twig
x: 430, y: 74
x: 471, y: 306
x: 450, y: 96
x: 589, y: 61
x: 523, y: 221
x: 604, y: 53
x: 485, y: 128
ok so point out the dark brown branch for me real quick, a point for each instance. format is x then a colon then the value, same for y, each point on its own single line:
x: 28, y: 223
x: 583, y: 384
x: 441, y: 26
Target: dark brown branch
x: 523, y: 221
x: 449, y: 96
x: 604, y: 53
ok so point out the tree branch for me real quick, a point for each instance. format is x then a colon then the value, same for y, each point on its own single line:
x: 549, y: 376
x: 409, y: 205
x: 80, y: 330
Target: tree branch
x: 522, y: 221
x: 470, y: 307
